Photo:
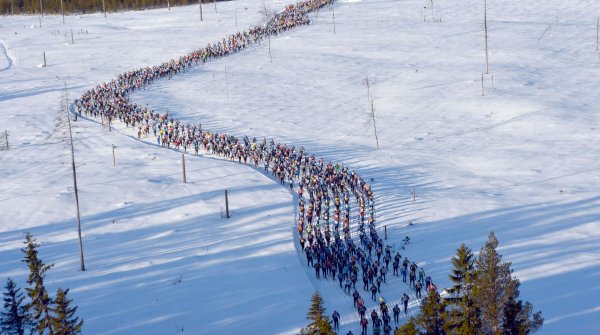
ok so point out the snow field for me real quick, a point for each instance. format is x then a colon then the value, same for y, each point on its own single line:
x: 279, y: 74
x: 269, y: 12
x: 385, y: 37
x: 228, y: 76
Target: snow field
x: 521, y: 160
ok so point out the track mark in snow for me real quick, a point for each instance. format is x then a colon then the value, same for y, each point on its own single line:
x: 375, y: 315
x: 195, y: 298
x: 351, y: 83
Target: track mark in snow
x: 10, y: 58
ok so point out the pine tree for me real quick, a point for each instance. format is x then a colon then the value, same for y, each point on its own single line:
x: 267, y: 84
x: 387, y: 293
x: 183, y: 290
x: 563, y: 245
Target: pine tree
x: 496, y: 293
x: 64, y: 321
x: 409, y: 328
x: 14, y: 320
x: 462, y: 316
x: 319, y: 322
x: 40, y: 304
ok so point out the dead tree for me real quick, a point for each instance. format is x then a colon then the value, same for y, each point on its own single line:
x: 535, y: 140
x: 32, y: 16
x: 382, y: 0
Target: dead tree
x: 372, y: 116
x: 266, y: 13
x: 371, y: 103
x: 4, y: 146
x: 200, y: 5
x: 487, y: 66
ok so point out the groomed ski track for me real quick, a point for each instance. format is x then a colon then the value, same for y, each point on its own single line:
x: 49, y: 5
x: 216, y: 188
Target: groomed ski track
x: 334, y: 296
x: 10, y: 59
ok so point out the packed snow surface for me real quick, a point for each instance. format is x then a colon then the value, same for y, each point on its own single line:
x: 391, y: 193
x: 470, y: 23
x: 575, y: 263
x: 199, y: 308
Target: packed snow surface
x: 521, y: 160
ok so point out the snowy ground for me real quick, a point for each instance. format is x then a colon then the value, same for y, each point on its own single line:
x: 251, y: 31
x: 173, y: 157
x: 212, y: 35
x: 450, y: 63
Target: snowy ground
x: 521, y: 160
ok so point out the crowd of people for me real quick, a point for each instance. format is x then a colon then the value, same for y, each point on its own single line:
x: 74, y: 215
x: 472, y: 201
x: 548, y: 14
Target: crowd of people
x: 334, y: 248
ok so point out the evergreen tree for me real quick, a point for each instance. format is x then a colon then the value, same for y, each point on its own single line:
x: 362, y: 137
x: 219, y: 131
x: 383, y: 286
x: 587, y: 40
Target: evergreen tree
x: 64, y: 321
x: 432, y: 315
x: 409, y: 328
x: 462, y: 316
x: 14, y: 320
x: 496, y: 293
x: 40, y: 304
x: 519, y: 318
x: 319, y: 321
x: 463, y: 270
x: 493, y: 276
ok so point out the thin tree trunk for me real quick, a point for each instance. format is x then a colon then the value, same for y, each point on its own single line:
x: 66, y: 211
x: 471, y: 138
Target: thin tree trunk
x: 270, y: 56
x: 487, y: 66
x: 597, y: 29
x: 200, y: 5
x: 183, y: 166
x: 374, y: 123
x: 81, y: 260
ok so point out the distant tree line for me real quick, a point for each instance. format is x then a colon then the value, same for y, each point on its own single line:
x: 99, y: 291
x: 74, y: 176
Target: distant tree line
x: 8, y: 7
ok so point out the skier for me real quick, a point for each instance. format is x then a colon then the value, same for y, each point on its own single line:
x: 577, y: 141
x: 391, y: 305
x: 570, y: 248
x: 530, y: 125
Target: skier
x: 364, y: 323
x: 336, y: 320
x: 374, y: 316
x: 373, y: 292
x: 412, y: 278
x: 405, y: 300
x: 355, y: 295
x: 347, y: 286
x: 387, y: 329
x: 362, y: 310
x: 396, y: 311
x: 418, y: 288
x: 309, y: 257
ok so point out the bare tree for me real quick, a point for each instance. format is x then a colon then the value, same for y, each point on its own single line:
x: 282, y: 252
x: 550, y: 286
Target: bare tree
x: 333, y: 15
x: 63, y: 124
x: 372, y: 116
x: 597, y: 29
x: 487, y: 66
x: 266, y: 12
x: 200, y: 5
x: 371, y: 103
x: 4, y: 141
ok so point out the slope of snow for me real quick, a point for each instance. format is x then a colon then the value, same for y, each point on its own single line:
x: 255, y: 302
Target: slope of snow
x: 521, y: 160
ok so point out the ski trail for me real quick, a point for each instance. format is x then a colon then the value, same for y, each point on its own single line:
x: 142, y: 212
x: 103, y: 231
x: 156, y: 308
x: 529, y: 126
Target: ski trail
x: 329, y: 288
x: 10, y: 58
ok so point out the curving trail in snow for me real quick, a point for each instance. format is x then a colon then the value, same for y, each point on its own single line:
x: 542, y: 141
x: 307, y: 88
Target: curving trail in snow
x: 111, y: 101
x: 10, y: 58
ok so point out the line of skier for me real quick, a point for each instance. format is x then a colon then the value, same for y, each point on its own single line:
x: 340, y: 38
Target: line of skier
x: 326, y: 192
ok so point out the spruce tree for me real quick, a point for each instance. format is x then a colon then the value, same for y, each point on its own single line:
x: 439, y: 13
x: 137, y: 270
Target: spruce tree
x: 64, y: 321
x: 493, y: 276
x: 462, y: 314
x: 431, y: 319
x: 519, y: 318
x: 319, y: 322
x: 409, y: 328
x: 463, y: 270
x: 14, y: 320
x: 496, y: 293
x: 40, y: 304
